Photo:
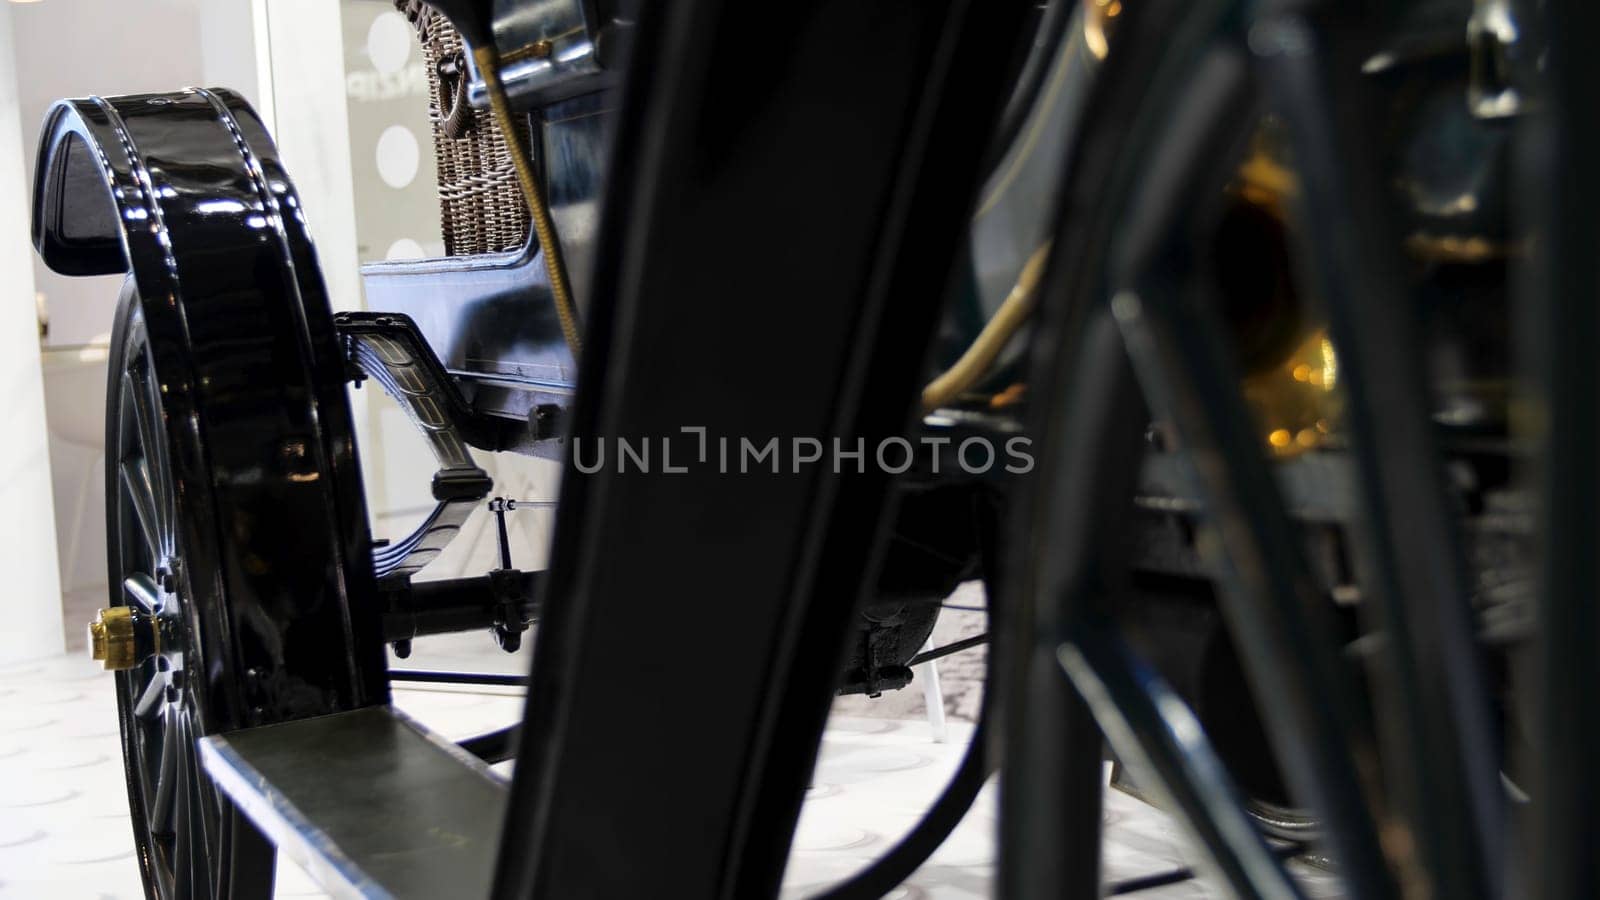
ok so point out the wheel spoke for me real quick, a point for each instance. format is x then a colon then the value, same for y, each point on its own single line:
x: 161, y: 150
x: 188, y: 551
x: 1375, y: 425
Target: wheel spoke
x: 197, y: 827
x: 141, y: 495
x: 141, y: 591
x: 166, y: 496
x: 128, y: 415
x: 147, y: 413
x: 183, y: 856
x: 190, y: 848
x: 150, y: 737
x: 161, y: 810
x: 143, y: 468
x: 150, y: 698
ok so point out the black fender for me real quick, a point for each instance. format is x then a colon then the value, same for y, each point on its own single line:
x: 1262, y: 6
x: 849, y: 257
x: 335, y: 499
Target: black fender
x: 186, y: 193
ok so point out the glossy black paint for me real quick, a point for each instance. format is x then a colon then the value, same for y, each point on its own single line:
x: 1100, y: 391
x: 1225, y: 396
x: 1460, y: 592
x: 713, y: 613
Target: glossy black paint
x: 185, y: 192
x: 1559, y: 185
x: 812, y: 183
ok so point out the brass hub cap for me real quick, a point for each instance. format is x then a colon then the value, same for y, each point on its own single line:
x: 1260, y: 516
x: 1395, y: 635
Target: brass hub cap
x: 114, y: 638
x: 122, y: 637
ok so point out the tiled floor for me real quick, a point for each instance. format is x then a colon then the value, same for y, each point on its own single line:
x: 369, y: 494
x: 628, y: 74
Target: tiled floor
x: 63, y: 814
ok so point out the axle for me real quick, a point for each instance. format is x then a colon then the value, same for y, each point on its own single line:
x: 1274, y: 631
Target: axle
x: 503, y: 599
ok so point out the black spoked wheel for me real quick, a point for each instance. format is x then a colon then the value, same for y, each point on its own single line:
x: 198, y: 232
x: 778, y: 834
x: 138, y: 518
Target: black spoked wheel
x: 239, y: 557
x: 191, y: 842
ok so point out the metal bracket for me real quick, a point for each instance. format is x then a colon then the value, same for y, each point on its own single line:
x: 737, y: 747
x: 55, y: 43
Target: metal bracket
x: 549, y: 51
x: 511, y: 622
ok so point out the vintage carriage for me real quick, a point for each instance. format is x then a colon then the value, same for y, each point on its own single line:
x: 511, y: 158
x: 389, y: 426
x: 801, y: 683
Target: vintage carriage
x: 697, y: 225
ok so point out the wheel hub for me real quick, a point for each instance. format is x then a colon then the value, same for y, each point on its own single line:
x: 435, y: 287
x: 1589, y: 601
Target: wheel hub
x: 121, y: 638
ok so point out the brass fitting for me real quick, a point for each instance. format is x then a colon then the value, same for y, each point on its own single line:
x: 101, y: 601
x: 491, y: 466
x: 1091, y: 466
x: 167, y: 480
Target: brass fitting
x: 114, y: 638
x: 1297, y: 402
x: 1296, y: 399
x: 1099, y: 21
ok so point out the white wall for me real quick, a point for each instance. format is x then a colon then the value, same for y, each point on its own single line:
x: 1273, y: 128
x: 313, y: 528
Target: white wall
x: 30, y: 607
x: 228, y: 53
x: 73, y: 48
x: 305, y: 49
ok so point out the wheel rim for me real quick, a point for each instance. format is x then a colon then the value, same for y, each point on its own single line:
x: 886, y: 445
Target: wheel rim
x: 177, y: 814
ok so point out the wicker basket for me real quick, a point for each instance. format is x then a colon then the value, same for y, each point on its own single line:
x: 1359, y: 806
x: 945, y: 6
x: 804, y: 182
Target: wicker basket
x: 481, y: 209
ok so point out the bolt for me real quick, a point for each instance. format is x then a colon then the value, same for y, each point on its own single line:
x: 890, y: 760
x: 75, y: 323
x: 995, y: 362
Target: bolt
x: 509, y: 640
x: 546, y: 421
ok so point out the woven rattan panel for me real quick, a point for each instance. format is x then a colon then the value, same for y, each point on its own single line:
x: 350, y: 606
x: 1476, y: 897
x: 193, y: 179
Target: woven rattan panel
x: 481, y: 209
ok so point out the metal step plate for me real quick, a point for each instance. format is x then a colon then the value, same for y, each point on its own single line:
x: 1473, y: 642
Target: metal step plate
x: 369, y: 802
